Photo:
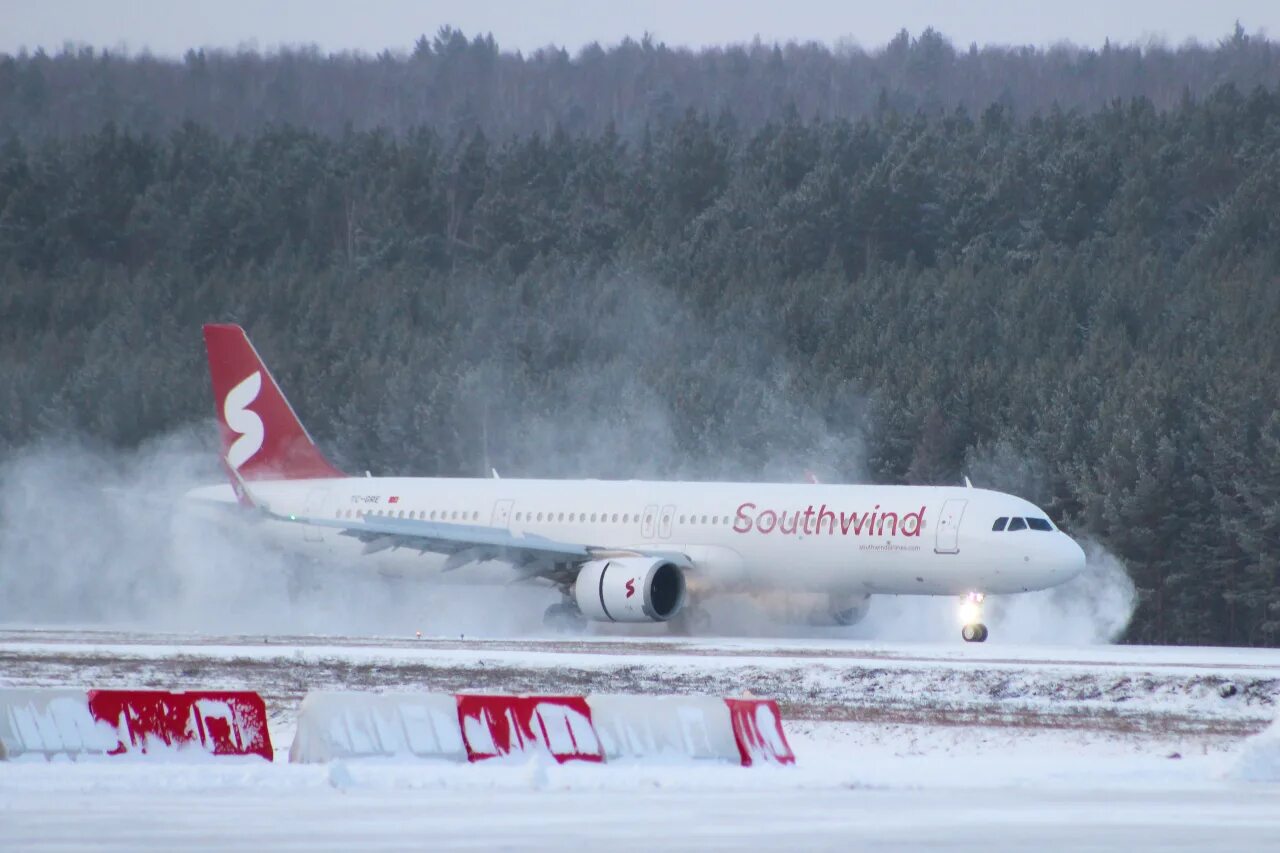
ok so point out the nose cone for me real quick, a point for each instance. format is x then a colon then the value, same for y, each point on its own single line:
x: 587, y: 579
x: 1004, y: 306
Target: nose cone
x: 1071, y: 558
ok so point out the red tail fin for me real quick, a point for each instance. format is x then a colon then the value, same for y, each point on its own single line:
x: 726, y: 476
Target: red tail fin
x: 262, y: 438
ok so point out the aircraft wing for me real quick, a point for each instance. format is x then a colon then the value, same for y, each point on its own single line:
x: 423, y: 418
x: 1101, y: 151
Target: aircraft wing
x: 531, y: 554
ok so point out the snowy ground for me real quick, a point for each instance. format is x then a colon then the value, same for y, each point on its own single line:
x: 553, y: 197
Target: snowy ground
x: 900, y: 746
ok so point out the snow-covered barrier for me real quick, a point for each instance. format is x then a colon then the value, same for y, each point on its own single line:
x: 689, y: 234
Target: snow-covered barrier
x: 76, y: 723
x: 664, y: 727
x: 370, y: 725
x: 489, y: 727
x: 50, y: 723
x: 736, y: 731
x: 1259, y: 757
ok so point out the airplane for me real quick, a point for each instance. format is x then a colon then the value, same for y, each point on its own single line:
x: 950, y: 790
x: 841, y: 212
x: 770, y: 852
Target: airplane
x: 631, y: 551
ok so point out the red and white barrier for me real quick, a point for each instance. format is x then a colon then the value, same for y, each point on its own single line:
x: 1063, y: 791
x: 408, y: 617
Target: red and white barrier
x: 757, y: 729
x: 488, y: 727
x: 76, y: 723
x: 496, y: 726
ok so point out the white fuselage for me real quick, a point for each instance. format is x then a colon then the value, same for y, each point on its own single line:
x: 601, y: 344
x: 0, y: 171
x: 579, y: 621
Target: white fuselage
x: 835, y: 539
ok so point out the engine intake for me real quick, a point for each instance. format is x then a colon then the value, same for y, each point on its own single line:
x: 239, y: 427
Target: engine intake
x: 629, y: 589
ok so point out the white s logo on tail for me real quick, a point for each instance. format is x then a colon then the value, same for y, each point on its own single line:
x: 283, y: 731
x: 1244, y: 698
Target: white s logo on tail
x: 242, y: 421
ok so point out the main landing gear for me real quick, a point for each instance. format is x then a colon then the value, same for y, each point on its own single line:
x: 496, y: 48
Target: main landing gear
x: 690, y: 621
x: 973, y: 630
x: 565, y: 618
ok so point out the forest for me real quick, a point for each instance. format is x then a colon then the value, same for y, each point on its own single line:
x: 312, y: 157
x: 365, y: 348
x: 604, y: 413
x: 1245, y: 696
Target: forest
x: 1055, y: 271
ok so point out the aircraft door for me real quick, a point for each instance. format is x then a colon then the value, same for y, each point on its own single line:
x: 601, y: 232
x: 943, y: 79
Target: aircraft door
x: 948, y: 541
x: 502, y: 513
x: 664, y: 526
x: 314, y: 508
x: 648, y: 521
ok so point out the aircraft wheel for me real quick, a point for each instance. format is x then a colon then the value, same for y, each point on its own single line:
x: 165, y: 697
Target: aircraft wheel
x: 301, y: 582
x: 975, y: 633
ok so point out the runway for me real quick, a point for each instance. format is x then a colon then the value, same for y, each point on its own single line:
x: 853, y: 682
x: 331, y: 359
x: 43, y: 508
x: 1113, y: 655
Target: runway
x: 1207, y: 692
x: 903, y: 745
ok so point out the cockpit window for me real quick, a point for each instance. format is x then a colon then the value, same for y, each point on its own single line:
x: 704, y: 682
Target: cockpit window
x: 1018, y: 524
x: 1000, y: 523
x: 1039, y: 524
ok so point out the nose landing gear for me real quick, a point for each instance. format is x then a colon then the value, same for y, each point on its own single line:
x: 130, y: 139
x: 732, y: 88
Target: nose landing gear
x: 972, y: 630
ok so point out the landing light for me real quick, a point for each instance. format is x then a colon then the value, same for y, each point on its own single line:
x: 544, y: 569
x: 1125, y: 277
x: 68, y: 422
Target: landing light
x: 970, y: 612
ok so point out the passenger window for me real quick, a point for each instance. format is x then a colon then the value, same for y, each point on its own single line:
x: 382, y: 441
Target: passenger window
x: 615, y: 518
x: 1018, y: 524
x: 539, y: 516
x: 1000, y: 523
x: 625, y: 518
x: 1039, y: 524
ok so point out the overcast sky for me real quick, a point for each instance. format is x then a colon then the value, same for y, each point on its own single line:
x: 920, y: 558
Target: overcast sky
x: 169, y: 27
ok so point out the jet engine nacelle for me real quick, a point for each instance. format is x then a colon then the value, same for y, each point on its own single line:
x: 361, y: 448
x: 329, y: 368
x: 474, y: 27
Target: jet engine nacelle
x: 629, y: 589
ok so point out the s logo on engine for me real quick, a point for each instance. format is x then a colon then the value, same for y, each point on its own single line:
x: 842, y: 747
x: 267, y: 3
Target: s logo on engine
x: 630, y: 587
